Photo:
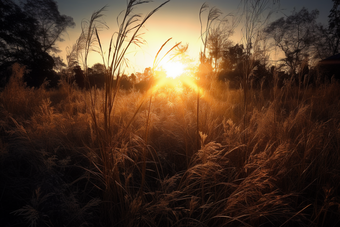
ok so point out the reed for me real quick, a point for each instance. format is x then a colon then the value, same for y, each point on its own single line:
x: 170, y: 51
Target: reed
x: 288, y: 177
x: 109, y: 135
x: 84, y: 157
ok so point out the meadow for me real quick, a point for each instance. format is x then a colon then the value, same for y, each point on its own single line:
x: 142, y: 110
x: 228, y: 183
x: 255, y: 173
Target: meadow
x: 205, y: 154
x: 276, y: 165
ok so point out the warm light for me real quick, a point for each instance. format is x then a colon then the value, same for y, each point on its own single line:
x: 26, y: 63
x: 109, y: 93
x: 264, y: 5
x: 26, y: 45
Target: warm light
x: 173, y: 69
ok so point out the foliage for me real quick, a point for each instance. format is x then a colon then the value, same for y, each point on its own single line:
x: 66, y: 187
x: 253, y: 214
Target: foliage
x: 323, y: 46
x: 234, y: 62
x: 327, y: 40
x: 294, y: 36
x: 233, y: 65
x: 333, y: 25
x: 28, y: 35
x: 79, y: 76
x: 51, y: 25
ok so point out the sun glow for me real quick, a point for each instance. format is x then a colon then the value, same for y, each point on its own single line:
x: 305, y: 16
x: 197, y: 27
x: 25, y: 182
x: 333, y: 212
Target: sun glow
x: 174, y: 69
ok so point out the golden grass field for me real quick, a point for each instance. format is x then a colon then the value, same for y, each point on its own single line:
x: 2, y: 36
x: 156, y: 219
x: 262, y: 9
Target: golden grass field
x: 277, y: 164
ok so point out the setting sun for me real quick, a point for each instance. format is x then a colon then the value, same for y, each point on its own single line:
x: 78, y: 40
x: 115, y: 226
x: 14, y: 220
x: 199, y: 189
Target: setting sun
x: 170, y: 113
x: 174, y: 69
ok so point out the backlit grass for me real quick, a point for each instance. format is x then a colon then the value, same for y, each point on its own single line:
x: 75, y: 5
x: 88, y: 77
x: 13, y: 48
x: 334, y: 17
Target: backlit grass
x: 285, y: 171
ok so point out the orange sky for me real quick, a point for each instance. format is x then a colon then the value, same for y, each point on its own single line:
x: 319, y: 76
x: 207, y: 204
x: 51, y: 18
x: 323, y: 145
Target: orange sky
x: 177, y: 20
x: 182, y: 26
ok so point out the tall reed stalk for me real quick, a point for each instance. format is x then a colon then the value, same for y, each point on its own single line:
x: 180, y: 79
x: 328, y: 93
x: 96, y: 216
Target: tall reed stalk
x: 255, y: 17
x: 108, y: 139
x: 213, y: 15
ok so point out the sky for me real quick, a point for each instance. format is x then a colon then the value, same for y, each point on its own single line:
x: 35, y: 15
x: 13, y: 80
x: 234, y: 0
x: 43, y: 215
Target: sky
x: 178, y: 20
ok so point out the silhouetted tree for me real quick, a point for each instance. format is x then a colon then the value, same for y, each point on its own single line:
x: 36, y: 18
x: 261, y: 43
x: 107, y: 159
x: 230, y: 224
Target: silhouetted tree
x: 58, y: 63
x: 98, y: 68
x: 233, y: 64
x: 233, y: 56
x: 235, y: 59
x: 28, y: 35
x: 324, y: 43
x: 96, y: 76
x: 125, y: 82
x: 261, y: 76
x: 79, y: 76
x: 327, y: 38
x: 334, y: 25
x: 133, y: 78
x: 51, y: 24
x: 144, y: 80
x: 294, y: 36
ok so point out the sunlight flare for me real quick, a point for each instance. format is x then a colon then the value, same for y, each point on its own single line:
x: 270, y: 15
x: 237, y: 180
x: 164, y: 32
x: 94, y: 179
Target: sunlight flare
x: 174, y: 69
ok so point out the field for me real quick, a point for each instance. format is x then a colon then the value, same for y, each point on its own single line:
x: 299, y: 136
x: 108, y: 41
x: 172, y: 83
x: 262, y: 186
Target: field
x: 270, y: 161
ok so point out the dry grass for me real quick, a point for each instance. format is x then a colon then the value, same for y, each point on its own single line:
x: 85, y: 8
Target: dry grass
x: 71, y: 157
x: 286, y: 173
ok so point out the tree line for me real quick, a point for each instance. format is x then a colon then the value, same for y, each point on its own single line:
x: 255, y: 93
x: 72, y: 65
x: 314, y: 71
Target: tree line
x: 303, y: 41
x: 96, y: 78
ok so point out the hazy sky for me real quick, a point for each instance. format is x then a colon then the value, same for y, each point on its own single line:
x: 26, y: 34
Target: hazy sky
x: 177, y: 20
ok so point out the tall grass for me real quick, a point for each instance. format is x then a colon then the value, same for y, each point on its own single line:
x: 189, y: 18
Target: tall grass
x: 290, y: 176
x: 71, y: 157
x: 109, y: 135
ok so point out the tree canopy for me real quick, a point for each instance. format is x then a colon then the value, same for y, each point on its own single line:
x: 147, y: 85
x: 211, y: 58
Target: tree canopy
x: 334, y: 25
x: 294, y: 36
x: 28, y: 35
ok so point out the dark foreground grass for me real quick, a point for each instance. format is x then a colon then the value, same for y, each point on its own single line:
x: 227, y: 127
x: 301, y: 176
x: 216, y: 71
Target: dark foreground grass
x: 281, y: 169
